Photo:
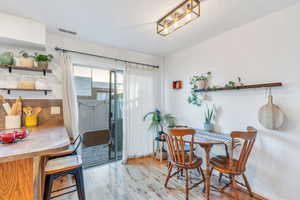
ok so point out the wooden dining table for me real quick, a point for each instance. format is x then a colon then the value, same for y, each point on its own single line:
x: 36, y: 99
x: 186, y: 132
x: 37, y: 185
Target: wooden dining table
x: 207, y: 140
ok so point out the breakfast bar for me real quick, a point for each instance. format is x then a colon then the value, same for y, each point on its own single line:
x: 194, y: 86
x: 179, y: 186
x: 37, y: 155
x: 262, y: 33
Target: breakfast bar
x: 21, y: 162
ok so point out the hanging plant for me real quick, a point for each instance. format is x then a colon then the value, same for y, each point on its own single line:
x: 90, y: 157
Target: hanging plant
x: 198, y: 82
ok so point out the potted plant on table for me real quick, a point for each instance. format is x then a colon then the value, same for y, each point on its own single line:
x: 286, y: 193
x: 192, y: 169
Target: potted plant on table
x: 26, y: 60
x: 43, y: 60
x: 208, y: 125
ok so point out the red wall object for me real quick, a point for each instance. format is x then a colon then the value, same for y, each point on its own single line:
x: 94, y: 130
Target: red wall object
x: 177, y: 84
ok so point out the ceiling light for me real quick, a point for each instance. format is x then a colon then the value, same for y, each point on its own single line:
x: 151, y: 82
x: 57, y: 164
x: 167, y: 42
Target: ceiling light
x: 183, y: 14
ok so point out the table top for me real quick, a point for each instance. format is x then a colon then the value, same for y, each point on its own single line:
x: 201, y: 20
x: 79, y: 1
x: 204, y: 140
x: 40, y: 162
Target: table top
x: 48, y: 138
x: 205, y: 137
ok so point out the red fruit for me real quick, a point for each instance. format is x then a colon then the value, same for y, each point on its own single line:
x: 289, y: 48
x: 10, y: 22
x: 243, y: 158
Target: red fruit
x: 8, y: 137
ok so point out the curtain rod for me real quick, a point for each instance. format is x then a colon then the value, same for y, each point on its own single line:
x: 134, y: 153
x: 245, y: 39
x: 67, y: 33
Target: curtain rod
x: 115, y: 59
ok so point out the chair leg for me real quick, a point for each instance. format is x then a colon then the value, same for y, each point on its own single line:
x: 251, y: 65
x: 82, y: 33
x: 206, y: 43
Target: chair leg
x: 200, y: 170
x: 247, y: 185
x: 220, y: 177
x: 48, y: 187
x: 186, y: 184
x: 235, y: 188
x: 169, y: 174
x: 80, y: 184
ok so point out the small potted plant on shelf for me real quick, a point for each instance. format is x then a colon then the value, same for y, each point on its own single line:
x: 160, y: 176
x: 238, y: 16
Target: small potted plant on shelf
x: 200, y: 82
x: 7, y: 58
x: 208, y: 125
x: 43, y: 60
x: 26, y: 60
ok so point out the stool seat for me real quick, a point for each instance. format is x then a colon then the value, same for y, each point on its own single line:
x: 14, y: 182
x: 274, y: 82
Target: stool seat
x: 70, y: 150
x: 63, y: 164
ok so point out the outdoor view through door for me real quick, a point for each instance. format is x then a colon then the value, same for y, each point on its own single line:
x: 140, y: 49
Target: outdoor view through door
x: 100, y: 106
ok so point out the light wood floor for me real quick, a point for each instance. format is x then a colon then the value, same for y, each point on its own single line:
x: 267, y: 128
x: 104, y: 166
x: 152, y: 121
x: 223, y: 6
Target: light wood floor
x: 140, y: 179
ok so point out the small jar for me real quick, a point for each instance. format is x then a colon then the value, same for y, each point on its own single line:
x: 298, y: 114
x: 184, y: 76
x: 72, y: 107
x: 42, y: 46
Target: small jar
x: 11, y: 81
x: 27, y: 82
x: 41, y: 84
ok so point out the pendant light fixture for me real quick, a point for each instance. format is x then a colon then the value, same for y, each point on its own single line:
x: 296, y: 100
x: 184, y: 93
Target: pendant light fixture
x: 183, y: 14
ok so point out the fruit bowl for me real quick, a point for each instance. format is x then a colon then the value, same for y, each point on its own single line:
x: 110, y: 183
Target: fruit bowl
x: 13, y: 136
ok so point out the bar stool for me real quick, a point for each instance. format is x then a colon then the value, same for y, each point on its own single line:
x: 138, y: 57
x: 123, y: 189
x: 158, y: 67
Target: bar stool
x: 62, y: 166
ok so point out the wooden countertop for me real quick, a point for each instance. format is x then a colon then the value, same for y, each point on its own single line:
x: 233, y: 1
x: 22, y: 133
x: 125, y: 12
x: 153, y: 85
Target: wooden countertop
x: 48, y: 138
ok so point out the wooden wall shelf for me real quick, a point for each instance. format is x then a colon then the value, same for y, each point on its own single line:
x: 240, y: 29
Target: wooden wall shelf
x: 30, y: 90
x: 265, y: 85
x: 12, y: 67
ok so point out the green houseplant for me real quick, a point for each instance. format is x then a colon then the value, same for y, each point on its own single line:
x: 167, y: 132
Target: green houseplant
x: 208, y: 125
x: 200, y: 82
x: 43, y: 60
x: 25, y: 59
x: 158, y: 120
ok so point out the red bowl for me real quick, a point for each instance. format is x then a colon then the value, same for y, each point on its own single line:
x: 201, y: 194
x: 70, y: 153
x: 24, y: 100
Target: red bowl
x: 8, y: 137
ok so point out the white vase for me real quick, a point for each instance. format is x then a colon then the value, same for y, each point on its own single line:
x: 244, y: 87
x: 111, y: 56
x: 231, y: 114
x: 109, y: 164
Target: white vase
x: 201, y: 84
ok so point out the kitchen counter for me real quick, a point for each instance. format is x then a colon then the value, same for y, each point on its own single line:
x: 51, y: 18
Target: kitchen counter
x: 22, y: 163
x: 48, y: 138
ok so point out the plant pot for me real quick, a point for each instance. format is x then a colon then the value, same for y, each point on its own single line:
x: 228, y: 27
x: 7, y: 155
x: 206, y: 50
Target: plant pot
x: 42, y: 64
x: 26, y: 62
x: 7, y: 58
x: 209, y: 126
x: 201, y: 84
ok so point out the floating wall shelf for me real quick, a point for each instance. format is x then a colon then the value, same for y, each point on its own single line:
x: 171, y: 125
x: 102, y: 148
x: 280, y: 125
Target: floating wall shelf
x: 265, y: 85
x: 19, y: 89
x: 12, y: 67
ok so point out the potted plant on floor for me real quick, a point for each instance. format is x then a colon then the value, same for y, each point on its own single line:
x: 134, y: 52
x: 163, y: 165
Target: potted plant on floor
x: 43, y: 60
x: 158, y: 121
x: 157, y: 124
x: 26, y: 60
x: 208, y: 125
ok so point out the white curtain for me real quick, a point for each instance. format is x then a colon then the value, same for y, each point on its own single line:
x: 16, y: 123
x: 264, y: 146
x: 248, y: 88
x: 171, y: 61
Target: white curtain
x: 70, y: 108
x: 140, y: 97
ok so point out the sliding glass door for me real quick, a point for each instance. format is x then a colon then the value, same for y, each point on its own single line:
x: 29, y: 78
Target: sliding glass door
x: 116, y: 114
x: 100, y: 102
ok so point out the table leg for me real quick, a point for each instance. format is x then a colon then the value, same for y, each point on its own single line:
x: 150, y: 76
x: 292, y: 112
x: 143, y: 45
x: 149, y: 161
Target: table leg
x: 207, y: 149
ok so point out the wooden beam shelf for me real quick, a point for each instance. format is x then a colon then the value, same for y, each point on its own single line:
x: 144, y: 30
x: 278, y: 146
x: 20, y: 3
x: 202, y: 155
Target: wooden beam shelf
x: 20, y: 89
x: 12, y: 67
x: 265, y: 85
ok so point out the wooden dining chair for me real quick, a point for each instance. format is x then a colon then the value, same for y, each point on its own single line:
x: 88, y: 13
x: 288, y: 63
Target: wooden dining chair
x: 236, y: 167
x: 180, y: 159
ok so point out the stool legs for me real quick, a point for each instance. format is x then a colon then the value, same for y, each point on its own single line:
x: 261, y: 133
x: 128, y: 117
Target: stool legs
x: 48, y: 186
x: 77, y: 173
x: 80, y: 184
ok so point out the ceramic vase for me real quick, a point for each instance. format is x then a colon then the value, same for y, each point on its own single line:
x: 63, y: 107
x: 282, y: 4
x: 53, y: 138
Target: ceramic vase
x: 7, y: 58
x: 208, y: 126
x: 201, y: 84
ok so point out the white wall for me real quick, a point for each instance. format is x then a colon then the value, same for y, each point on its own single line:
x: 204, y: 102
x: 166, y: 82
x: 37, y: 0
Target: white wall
x: 72, y: 43
x: 266, y: 50
x: 22, y: 31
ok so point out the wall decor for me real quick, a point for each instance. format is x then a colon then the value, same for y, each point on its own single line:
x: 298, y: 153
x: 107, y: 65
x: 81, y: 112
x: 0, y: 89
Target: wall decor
x: 270, y: 115
x: 177, y: 85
